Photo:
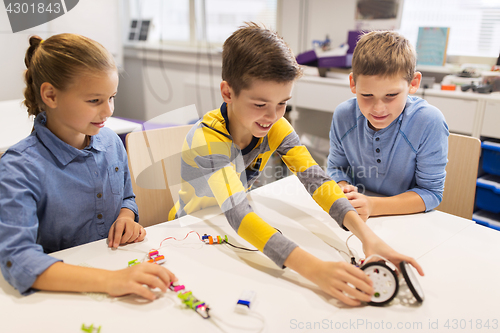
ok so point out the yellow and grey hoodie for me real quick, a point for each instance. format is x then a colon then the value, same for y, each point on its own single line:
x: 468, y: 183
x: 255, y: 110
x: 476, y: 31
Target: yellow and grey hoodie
x: 215, y: 171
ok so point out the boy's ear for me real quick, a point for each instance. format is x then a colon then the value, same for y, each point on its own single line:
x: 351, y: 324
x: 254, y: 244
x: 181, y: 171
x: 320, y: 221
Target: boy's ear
x: 352, y: 84
x: 226, y: 91
x: 415, y: 83
x: 49, y: 95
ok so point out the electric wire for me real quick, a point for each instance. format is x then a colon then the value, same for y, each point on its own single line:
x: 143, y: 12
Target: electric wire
x: 253, y: 314
x: 147, y: 78
x: 239, y: 247
x: 203, y: 26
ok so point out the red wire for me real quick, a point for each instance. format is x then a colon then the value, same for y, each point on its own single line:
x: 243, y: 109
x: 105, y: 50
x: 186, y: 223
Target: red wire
x: 181, y: 239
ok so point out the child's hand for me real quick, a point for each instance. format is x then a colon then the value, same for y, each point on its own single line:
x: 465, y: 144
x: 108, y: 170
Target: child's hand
x: 131, y: 280
x: 377, y: 246
x: 125, y: 230
x: 341, y: 278
x: 346, y: 187
x: 361, y: 203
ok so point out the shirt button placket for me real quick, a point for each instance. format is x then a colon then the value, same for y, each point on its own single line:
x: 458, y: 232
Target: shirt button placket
x: 99, y: 202
x: 377, y: 150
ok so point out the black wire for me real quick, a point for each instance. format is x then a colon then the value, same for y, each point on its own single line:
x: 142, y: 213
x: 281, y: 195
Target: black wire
x: 145, y: 71
x: 209, y: 55
x: 238, y: 247
x: 244, y: 248
x: 148, y: 83
x: 162, y: 65
x: 197, y: 71
x: 209, y: 58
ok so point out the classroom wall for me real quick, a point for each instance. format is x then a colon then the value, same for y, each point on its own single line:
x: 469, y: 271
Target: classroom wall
x: 13, y: 47
x: 194, y: 77
x: 97, y: 19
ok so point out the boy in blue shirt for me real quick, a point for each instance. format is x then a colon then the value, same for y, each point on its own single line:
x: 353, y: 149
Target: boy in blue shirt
x: 383, y: 140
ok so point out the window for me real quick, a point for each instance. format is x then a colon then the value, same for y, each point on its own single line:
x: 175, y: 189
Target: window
x: 474, y: 24
x: 207, y: 21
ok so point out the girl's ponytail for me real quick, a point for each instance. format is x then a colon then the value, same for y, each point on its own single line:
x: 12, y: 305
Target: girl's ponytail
x: 32, y: 98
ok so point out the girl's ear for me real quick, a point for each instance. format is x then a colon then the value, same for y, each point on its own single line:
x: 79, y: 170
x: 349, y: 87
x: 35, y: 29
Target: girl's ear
x: 227, y: 92
x: 352, y: 84
x: 49, y: 95
x: 415, y: 83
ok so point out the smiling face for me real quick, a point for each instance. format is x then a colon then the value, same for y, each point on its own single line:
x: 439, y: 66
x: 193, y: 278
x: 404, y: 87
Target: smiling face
x: 82, y: 108
x: 382, y: 99
x: 254, y: 111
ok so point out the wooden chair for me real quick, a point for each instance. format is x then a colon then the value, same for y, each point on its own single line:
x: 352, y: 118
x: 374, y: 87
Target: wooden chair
x: 154, y: 158
x: 461, y: 174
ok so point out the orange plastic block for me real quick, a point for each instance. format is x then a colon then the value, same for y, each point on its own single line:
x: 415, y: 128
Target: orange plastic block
x: 448, y: 87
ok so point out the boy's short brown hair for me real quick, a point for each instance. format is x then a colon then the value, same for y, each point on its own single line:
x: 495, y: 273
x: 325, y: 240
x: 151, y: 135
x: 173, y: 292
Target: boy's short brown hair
x: 254, y: 52
x: 385, y: 53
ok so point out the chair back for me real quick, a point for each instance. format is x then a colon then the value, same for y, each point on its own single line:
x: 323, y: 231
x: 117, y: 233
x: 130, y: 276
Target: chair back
x: 154, y: 158
x: 461, y: 175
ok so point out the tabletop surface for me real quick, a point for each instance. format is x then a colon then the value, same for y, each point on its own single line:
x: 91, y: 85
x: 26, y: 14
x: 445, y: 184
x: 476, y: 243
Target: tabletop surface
x: 15, y: 123
x: 459, y: 257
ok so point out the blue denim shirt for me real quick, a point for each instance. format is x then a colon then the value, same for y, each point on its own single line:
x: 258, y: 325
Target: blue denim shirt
x: 54, y: 196
x: 408, y: 155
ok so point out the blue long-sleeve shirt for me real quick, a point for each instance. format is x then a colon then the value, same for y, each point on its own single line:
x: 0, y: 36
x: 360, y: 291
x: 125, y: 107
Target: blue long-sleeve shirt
x: 408, y: 155
x: 54, y: 196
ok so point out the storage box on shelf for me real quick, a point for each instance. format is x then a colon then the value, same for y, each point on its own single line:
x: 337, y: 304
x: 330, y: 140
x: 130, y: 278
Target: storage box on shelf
x: 487, y: 219
x: 488, y: 193
x: 491, y: 157
x: 488, y: 187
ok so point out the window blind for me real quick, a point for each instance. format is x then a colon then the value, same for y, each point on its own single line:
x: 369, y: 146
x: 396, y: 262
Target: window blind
x: 474, y: 24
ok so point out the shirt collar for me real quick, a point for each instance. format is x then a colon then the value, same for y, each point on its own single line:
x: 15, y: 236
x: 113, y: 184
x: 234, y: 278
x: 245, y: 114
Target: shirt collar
x: 253, y: 143
x: 60, y: 149
x: 223, y: 112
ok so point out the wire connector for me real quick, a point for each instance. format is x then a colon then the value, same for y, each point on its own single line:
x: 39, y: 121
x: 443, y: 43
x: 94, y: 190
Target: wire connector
x: 213, y: 239
x: 245, y: 302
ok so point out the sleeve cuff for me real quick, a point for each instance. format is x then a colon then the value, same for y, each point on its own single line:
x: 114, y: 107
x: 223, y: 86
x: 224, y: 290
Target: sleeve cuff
x: 22, y: 271
x: 338, y: 210
x: 132, y: 205
x: 431, y: 200
x: 278, y: 248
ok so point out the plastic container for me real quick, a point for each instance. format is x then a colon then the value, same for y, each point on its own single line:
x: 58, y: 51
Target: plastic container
x: 491, y: 157
x: 488, y: 193
x: 487, y: 219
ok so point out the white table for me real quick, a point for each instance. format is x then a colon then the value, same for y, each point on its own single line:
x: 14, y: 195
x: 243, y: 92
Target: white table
x: 460, y: 260
x: 15, y: 124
